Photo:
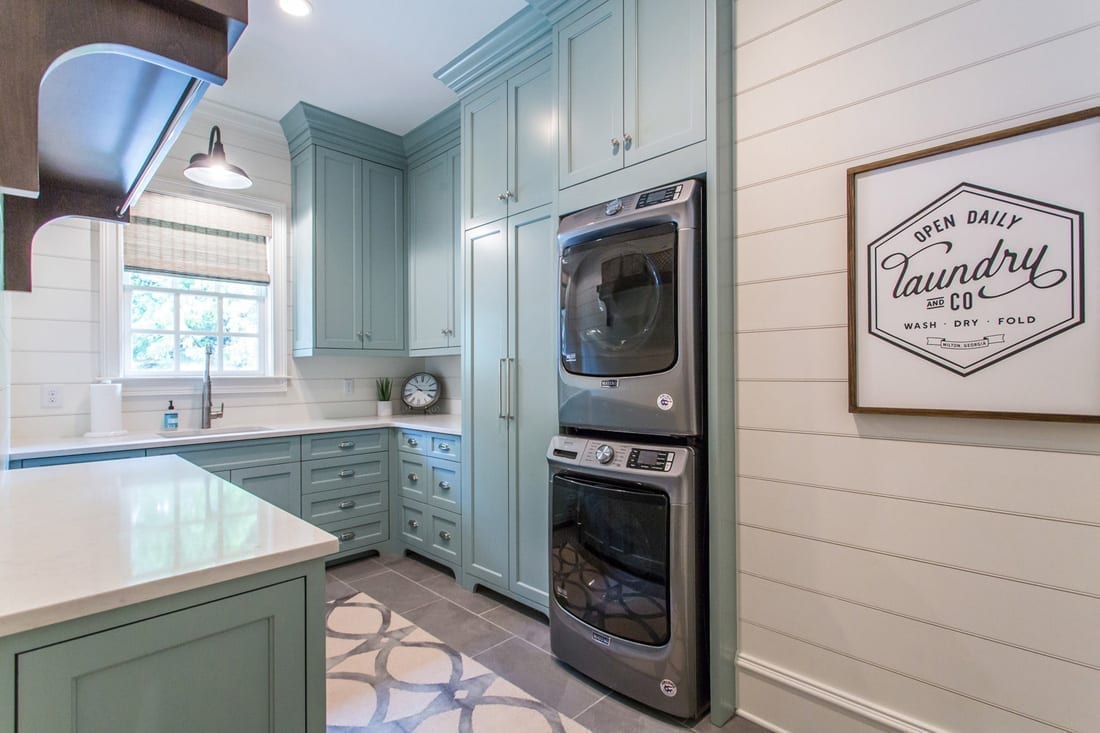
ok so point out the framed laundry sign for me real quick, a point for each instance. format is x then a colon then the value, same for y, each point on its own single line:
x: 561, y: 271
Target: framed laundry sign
x: 974, y: 276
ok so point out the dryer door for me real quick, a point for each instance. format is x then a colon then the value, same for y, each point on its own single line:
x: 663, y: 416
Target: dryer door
x: 609, y: 556
x: 618, y: 304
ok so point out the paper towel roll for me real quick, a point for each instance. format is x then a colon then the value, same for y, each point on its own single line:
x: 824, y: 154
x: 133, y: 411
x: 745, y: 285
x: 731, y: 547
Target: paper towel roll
x: 106, y: 404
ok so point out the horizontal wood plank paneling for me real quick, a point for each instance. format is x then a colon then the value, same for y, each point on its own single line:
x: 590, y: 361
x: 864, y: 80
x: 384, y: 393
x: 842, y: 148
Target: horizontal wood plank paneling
x: 1049, y: 553
x: 980, y: 605
x: 821, y: 407
x: 757, y: 18
x: 814, y: 353
x: 817, y: 300
x: 1045, y: 689
x: 920, y: 113
x: 933, y: 706
x: 837, y: 31
x: 787, y: 711
x: 817, y: 248
x: 945, y: 44
x: 1034, y: 483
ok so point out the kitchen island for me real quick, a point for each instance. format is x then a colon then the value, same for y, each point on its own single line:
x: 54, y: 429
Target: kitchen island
x: 148, y: 594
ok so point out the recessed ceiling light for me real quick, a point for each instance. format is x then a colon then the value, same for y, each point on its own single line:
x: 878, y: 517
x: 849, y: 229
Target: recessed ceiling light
x: 296, y: 7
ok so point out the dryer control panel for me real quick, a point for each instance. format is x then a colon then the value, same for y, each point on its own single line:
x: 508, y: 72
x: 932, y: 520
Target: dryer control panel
x: 650, y: 460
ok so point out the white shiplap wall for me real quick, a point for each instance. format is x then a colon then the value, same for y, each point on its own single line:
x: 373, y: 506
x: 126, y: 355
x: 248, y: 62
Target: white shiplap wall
x: 55, y: 328
x: 896, y: 572
x: 5, y: 378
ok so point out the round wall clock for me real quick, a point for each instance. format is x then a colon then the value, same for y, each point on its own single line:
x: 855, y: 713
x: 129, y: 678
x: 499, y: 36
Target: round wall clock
x: 421, y: 391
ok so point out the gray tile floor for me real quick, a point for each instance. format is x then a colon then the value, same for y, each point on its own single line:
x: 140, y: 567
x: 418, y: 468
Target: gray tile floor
x: 506, y: 637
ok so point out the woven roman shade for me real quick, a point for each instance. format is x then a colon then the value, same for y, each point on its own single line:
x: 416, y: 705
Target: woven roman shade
x: 179, y: 236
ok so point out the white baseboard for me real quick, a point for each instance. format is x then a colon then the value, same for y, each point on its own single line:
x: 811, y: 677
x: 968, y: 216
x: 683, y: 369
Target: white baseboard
x: 872, y: 713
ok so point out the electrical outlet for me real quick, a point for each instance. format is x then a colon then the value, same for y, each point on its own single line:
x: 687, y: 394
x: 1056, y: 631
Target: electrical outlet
x: 52, y: 395
x: 349, y: 386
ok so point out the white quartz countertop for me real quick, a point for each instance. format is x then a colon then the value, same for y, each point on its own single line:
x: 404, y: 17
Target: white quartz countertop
x: 22, y: 449
x: 84, y: 538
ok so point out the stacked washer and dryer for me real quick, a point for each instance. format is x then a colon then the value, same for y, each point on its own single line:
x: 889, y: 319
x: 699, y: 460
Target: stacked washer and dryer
x: 628, y: 559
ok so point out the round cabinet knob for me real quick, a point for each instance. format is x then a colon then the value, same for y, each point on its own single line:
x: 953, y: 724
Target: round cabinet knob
x: 412, y: 442
x: 501, y: 197
x: 413, y: 524
x: 349, y: 504
x: 615, y: 143
x: 605, y: 453
x: 413, y: 477
x: 627, y: 139
x: 444, y: 486
x: 445, y: 536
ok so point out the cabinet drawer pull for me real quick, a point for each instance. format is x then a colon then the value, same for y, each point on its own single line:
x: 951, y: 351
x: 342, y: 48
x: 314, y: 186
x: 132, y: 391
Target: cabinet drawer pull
x: 413, y: 524
x: 412, y: 442
x: 346, y: 473
x: 444, y: 447
x: 446, y: 486
x: 347, y: 536
x: 413, y: 477
x: 445, y: 535
x: 348, y: 504
x: 345, y: 445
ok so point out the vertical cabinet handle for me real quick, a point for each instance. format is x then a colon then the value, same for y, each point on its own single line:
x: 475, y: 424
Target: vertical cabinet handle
x: 349, y: 504
x: 347, y: 536
x: 413, y: 524
x: 445, y: 535
x: 346, y: 445
x: 511, y: 365
x: 346, y: 473
x: 500, y: 388
x: 444, y: 486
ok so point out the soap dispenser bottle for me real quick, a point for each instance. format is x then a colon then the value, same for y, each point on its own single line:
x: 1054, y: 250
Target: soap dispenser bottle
x: 171, y: 417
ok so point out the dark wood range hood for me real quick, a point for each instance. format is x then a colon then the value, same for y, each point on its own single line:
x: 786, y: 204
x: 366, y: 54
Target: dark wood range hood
x: 94, y: 93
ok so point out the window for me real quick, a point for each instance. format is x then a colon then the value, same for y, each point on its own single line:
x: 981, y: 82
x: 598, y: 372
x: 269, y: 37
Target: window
x: 191, y: 273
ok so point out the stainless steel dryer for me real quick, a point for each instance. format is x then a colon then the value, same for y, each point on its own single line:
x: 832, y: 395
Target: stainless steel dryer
x: 628, y: 569
x: 631, y: 314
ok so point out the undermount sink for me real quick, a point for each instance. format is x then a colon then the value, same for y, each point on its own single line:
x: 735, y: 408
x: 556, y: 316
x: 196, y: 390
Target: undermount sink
x: 212, y: 431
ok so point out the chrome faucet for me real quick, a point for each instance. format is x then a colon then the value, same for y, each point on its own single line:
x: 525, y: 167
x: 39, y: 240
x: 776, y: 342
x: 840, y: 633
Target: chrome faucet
x: 208, y: 411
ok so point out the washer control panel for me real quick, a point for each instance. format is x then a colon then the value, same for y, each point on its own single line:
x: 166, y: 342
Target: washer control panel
x: 650, y: 460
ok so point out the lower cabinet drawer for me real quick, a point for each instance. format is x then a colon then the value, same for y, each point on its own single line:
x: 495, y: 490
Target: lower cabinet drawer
x: 355, y: 534
x: 321, y: 507
x: 431, y: 481
x: 414, y: 475
x: 327, y: 474
x: 431, y: 531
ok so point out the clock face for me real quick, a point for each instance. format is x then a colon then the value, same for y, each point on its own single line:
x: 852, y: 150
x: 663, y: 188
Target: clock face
x: 421, y: 391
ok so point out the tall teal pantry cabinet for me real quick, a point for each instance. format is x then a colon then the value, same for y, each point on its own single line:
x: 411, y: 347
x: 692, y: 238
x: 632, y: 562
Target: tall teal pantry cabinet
x: 509, y: 148
x: 348, y: 182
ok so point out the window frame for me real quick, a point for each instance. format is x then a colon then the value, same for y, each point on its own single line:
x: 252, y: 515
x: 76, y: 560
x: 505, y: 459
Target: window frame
x: 114, y: 310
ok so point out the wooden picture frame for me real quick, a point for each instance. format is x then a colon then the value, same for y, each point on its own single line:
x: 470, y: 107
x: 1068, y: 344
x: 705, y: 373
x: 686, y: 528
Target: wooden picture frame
x: 974, y: 276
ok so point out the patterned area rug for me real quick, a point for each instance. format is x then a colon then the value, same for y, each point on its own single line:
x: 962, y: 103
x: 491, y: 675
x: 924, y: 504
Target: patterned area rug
x: 387, y: 674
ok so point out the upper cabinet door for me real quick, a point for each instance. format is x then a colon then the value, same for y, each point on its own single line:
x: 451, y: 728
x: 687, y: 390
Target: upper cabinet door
x: 384, y: 257
x: 457, y: 289
x: 532, y: 144
x: 665, y: 76
x: 590, y: 94
x: 338, y: 251
x: 431, y: 252
x: 485, y: 150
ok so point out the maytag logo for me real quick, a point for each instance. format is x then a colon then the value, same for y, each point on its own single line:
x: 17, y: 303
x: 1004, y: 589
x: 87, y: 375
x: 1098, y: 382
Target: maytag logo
x: 599, y: 638
x: 977, y: 276
x: 609, y: 383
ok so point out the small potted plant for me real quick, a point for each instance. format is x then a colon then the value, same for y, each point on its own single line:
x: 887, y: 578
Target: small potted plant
x: 384, y: 387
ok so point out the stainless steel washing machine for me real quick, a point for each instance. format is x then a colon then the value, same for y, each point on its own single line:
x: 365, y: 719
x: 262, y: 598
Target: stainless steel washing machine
x: 631, y: 322
x: 628, y: 569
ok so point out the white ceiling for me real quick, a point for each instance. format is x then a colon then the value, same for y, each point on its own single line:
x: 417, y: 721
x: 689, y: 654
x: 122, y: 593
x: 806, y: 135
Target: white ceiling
x: 371, y: 60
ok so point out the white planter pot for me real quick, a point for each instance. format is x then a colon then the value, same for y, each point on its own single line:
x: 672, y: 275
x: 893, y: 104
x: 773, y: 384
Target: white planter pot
x: 385, y: 409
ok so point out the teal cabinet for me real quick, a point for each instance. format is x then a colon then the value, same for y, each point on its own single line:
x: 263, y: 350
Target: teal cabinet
x: 280, y: 485
x: 512, y: 344
x: 508, y: 143
x: 348, y: 232
x: 631, y: 85
x: 246, y: 655
x: 435, y: 293
x: 428, y: 491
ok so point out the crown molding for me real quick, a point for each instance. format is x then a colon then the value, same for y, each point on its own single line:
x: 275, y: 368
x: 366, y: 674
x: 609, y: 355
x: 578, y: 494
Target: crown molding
x: 434, y: 136
x: 524, y: 36
x: 556, y: 10
x: 305, y: 125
